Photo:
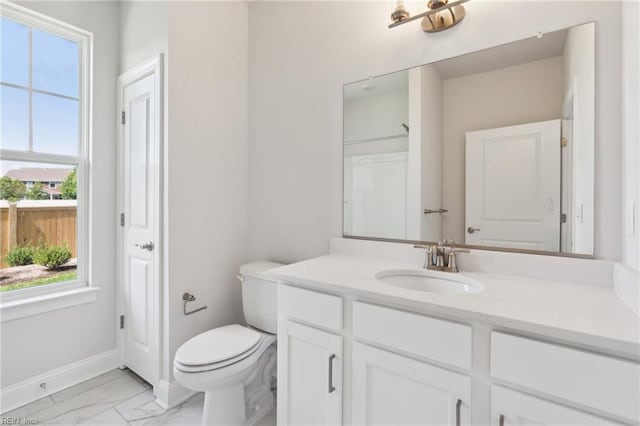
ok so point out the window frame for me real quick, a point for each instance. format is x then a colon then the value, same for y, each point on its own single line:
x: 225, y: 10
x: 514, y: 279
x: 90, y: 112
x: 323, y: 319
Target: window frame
x: 84, y: 39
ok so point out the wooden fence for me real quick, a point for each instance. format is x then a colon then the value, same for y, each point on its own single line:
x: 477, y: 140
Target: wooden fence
x: 37, y: 222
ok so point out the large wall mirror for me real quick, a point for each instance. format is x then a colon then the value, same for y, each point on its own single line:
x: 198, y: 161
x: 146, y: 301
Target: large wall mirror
x: 493, y: 149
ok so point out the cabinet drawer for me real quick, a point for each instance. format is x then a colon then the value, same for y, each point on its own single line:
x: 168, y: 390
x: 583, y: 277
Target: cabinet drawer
x: 585, y: 378
x: 517, y: 408
x: 443, y: 341
x: 320, y: 309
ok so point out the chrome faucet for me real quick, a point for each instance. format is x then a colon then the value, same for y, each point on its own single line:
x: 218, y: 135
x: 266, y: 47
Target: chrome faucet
x: 441, y: 256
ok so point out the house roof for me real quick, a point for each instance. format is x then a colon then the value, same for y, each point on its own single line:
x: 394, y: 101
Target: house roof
x: 38, y: 174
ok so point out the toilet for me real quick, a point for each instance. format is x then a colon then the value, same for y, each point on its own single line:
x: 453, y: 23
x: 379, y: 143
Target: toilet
x: 235, y: 365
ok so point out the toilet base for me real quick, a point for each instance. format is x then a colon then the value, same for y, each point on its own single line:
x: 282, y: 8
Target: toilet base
x: 244, y: 402
x: 224, y: 406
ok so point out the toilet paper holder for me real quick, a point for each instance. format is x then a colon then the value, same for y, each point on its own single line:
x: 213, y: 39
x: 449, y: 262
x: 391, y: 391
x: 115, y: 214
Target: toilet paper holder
x: 188, y: 297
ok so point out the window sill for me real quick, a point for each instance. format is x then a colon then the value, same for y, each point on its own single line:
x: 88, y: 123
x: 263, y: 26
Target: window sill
x: 19, y: 308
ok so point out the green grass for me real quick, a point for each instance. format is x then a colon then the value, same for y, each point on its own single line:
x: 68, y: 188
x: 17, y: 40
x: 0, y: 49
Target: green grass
x: 66, y: 276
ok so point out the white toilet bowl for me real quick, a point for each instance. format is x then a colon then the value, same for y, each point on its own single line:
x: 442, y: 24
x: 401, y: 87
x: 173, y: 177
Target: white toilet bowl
x: 234, y: 366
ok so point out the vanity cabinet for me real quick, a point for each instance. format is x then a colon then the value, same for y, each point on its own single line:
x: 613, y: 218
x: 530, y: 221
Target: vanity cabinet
x: 309, y: 375
x: 407, y: 368
x: 391, y: 389
x: 511, y: 408
x: 310, y: 357
x: 597, y: 382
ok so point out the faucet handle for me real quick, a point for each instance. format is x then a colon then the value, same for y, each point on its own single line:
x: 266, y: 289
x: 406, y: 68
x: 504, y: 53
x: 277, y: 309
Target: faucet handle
x: 460, y: 250
x: 452, y: 261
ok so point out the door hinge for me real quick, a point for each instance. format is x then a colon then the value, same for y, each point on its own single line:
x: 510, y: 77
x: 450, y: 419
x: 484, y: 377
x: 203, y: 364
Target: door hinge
x: 121, y: 219
x: 122, y: 117
x: 564, y: 142
x: 121, y: 321
x: 563, y: 218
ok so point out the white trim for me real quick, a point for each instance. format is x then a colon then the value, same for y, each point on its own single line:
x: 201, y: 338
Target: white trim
x: 51, y: 301
x: 43, y: 22
x: 29, y: 390
x: 170, y: 394
x: 153, y: 66
x: 83, y: 159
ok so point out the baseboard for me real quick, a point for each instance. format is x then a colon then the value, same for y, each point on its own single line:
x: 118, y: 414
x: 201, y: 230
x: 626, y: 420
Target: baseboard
x: 29, y: 390
x: 170, y: 394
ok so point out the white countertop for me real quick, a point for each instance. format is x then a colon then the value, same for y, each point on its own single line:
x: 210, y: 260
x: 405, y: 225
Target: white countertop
x: 590, y: 316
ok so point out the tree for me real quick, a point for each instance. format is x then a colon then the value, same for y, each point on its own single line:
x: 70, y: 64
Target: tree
x: 69, y: 187
x: 36, y: 192
x: 11, y: 189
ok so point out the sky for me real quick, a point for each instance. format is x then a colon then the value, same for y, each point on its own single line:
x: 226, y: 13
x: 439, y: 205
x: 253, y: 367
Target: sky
x: 55, y: 65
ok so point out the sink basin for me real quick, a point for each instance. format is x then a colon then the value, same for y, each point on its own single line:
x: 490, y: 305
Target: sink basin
x: 430, y: 281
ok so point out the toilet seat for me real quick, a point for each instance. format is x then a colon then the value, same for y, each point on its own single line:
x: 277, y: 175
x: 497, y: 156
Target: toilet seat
x: 217, y: 348
x: 216, y: 375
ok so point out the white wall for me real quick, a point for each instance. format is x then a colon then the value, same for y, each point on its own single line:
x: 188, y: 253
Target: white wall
x: 143, y: 31
x: 579, y: 71
x: 431, y: 95
x: 631, y: 129
x: 40, y: 343
x: 207, y: 167
x: 300, y: 55
x: 376, y: 114
x: 519, y: 94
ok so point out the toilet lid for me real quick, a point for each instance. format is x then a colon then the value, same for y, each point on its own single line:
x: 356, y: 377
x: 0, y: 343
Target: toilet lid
x: 217, y: 345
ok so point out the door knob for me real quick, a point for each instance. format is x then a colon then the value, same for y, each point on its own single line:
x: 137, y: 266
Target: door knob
x: 146, y: 246
x: 471, y: 229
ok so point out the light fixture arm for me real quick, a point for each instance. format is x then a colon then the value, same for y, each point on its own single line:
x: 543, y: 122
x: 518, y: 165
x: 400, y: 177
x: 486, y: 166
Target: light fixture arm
x: 427, y: 14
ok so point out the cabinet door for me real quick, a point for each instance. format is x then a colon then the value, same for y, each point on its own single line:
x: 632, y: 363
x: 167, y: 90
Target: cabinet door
x: 390, y: 389
x: 511, y: 408
x: 309, y: 375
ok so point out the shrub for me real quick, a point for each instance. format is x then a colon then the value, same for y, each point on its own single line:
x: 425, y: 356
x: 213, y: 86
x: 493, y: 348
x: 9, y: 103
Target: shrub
x: 21, y: 255
x: 52, y: 257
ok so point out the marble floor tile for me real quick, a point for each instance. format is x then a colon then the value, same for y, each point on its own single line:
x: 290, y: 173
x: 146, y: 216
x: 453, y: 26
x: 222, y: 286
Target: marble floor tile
x: 89, y: 384
x: 83, y: 406
x: 187, y: 413
x: 140, y: 407
x: 108, y: 417
x: 29, y: 409
x: 116, y: 398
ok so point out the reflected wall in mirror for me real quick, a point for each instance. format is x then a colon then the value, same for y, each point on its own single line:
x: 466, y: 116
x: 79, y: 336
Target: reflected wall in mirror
x: 494, y: 148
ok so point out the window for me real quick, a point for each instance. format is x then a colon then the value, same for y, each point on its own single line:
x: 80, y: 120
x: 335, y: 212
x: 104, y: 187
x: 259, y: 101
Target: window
x: 44, y: 141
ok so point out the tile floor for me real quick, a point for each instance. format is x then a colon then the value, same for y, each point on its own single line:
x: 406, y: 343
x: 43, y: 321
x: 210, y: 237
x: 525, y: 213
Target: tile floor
x: 117, y: 397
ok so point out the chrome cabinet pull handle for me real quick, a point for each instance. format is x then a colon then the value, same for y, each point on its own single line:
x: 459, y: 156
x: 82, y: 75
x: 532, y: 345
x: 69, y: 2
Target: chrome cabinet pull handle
x: 501, y: 421
x: 471, y: 230
x: 458, y: 405
x: 331, y: 387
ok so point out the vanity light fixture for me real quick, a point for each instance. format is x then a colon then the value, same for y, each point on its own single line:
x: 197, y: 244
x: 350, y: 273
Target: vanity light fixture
x: 441, y: 15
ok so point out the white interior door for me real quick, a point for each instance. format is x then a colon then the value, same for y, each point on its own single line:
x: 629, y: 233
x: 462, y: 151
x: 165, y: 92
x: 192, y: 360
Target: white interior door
x: 140, y: 169
x: 513, y: 186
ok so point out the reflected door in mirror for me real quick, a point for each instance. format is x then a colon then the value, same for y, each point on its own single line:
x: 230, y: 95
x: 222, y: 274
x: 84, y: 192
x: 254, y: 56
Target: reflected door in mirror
x: 513, y: 187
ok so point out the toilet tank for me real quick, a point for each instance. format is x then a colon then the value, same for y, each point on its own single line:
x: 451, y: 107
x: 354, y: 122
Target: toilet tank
x: 260, y: 295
